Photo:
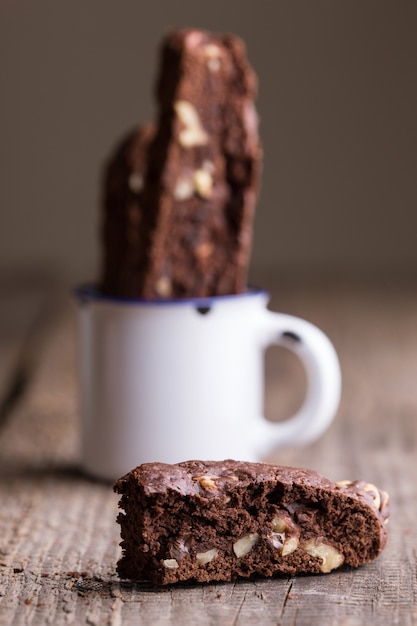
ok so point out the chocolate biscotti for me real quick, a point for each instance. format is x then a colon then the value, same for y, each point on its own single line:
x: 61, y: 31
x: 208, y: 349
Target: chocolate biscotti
x: 124, y: 181
x: 219, y: 521
x: 203, y: 170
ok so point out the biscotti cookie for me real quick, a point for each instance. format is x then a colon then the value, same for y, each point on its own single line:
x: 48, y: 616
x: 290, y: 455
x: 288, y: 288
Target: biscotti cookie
x: 203, y: 170
x: 219, y: 521
x: 122, y: 207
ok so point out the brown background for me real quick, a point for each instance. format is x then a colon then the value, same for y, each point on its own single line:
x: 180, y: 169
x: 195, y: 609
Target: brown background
x: 338, y: 103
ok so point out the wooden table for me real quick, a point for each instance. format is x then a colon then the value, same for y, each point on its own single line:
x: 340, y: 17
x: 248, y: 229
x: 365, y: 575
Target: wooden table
x: 58, y: 536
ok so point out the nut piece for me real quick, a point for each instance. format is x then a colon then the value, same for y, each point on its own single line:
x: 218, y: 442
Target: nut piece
x: 384, y: 500
x: 374, y: 492
x: 276, y: 540
x: 330, y: 557
x: 290, y: 546
x: 280, y: 537
x: 163, y: 287
x: 213, y: 54
x: 184, y: 189
x: 203, y: 183
x: 379, y: 497
x: 170, y: 563
x: 278, y: 525
x: 343, y: 484
x: 206, y: 557
x: 136, y: 182
x: 193, y: 133
x: 207, y: 482
x: 243, y: 546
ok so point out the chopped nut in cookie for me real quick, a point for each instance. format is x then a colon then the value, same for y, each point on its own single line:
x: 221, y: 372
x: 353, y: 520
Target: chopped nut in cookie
x: 213, y: 54
x: 203, y: 183
x: 206, y: 557
x: 193, y: 133
x: 330, y: 557
x: 170, y: 563
x: 163, y: 287
x: 136, y: 182
x: 374, y: 492
x: 207, y: 482
x: 184, y: 189
x: 285, y: 535
x: 343, y: 484
x: 380, y: 498
x: 244, y: 545
x: 384, y: 501
x: 290, y: 546
x: 279, y: 525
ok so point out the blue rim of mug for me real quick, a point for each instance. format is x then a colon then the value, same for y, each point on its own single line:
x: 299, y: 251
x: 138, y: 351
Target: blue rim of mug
x: 90, y: 292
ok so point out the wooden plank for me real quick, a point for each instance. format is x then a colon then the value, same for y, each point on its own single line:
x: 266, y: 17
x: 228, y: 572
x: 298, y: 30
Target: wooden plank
x: 59, y: 539
x: 27, y: 303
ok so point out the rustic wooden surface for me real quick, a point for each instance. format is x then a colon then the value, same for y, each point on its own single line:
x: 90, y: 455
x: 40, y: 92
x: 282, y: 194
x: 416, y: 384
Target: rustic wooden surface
x: 58, y: 536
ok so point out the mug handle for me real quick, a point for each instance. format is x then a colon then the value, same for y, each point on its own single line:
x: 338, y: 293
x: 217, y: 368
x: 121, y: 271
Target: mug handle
x: 324, y: 381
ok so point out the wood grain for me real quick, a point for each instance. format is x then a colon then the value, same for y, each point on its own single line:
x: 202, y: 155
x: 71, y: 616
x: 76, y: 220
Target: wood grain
x: 58, y: 536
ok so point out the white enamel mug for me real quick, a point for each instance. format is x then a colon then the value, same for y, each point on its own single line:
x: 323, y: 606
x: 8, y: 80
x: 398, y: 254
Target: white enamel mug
x: 173, y: 380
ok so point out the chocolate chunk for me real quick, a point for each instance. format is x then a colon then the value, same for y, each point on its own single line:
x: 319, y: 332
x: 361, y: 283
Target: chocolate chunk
x: 208, y: 521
